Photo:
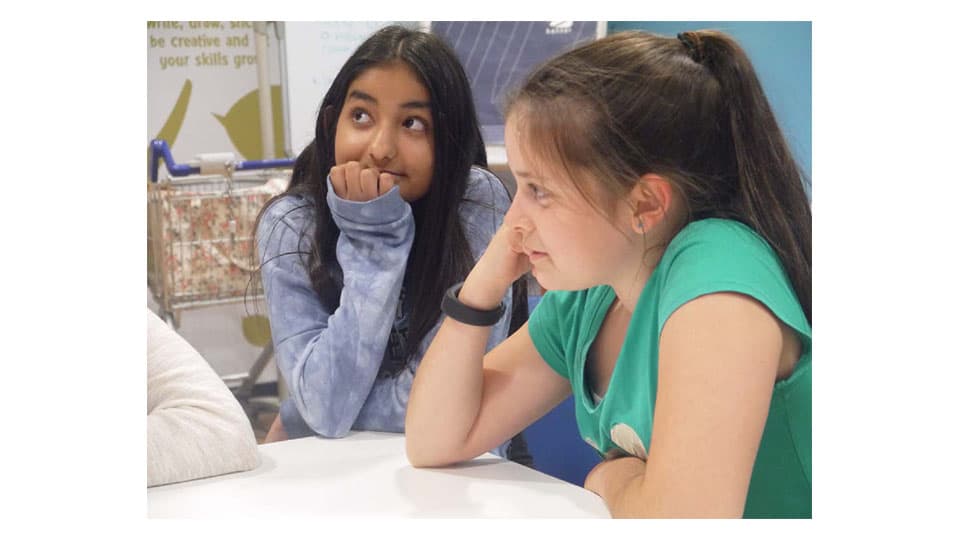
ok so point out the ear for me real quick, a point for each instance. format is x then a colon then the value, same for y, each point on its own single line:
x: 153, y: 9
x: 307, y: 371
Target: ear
x: 649, y: 199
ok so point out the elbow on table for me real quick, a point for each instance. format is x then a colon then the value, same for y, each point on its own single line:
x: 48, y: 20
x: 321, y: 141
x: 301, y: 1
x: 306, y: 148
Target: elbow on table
x: 332, y: 431
x: 232, y: 437
x: 327, y: 426
x: 246, y: 452
x: 416, y: 455
x: 422, y: 461
x: 422, y: 455
x: 313, y: 413
x: 416, y: 462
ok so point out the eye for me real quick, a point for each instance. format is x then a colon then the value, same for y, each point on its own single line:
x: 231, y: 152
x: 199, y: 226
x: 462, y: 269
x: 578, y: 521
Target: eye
x: 415, y: 124
x: 538, y: 194
x: 360, y: 116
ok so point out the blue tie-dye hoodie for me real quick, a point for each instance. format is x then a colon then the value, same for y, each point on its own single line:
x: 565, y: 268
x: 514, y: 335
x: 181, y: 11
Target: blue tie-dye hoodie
x: 330, y: 361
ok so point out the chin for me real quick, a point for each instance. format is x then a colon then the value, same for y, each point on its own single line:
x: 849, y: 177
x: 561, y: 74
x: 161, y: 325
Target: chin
x: 550, y: 281
x: 546, y: 281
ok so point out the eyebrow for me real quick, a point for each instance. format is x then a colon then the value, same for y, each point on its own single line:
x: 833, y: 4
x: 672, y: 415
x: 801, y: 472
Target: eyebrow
x: 528, y: 175
x: 363, y: 96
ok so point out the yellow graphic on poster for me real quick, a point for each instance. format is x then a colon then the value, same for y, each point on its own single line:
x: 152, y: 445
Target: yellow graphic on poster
x: 242, y: 123
x: 171, y: 128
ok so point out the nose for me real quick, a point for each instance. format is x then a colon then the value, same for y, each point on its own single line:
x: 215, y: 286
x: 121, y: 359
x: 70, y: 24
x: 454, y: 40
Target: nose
x: 383, y: 147
x: 517, y: 218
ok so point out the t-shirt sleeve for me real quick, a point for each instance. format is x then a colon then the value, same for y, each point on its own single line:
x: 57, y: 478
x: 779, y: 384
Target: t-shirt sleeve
x: 728, y: 257
x: 546, y: 326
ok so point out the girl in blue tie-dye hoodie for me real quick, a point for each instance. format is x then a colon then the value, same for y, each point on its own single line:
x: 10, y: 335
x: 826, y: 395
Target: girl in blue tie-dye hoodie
x: 388, y: 207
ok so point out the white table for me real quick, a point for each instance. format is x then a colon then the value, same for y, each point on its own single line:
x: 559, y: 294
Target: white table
x: 367, y: 474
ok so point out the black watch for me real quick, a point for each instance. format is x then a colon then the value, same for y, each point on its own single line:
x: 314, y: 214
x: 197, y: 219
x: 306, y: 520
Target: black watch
x: 458, y: 311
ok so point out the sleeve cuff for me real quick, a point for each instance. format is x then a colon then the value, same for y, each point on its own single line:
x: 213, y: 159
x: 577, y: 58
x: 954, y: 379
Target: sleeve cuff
x: 386, y: 208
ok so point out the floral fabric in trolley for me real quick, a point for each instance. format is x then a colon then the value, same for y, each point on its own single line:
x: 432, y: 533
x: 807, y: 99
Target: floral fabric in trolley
x: 200, y: 238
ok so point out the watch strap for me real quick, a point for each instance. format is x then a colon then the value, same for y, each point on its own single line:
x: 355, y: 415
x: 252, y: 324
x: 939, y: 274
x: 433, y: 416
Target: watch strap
x: 458, y: 311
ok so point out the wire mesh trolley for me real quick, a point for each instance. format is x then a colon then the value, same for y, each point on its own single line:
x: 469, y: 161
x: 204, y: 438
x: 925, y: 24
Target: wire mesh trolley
x: 200, y: 236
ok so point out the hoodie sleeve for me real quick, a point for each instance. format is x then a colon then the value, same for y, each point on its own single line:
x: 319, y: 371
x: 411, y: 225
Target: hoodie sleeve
x: 330, y: 360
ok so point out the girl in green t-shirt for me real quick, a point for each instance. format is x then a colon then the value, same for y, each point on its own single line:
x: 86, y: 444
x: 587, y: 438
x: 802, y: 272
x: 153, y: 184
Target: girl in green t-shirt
x: 660, y: 206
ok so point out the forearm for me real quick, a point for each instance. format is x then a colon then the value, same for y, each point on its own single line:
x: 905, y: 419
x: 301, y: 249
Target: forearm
x: 447, y: 393
x: 330, y: 370
x: 386, y: 405
x: 330, y: 360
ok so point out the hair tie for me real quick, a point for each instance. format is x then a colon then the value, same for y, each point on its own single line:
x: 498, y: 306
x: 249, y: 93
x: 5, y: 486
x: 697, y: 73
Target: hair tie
x: 692, y: 42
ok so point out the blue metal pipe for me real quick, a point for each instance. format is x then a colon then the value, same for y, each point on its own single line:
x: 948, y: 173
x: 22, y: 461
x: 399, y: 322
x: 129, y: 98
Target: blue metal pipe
x: 159, y: 149
x: 263, y: 164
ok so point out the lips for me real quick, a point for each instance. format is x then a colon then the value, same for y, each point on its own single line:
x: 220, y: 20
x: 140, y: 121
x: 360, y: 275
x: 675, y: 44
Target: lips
x: 535, y: 255
x: 393, y: 173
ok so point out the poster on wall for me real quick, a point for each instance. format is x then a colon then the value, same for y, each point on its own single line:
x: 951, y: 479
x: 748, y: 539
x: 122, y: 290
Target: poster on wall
x: 498, y: 54
x: 202, y: 93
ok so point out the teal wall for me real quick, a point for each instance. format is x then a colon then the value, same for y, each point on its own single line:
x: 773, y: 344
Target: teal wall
x: 781, y: 54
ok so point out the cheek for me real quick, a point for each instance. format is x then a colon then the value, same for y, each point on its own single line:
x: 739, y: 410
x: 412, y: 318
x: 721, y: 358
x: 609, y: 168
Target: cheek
x: 418, y: 156
x: 582, y: 242
x: 423, y: 152
x: 348, y: 144
x: 558, y: 232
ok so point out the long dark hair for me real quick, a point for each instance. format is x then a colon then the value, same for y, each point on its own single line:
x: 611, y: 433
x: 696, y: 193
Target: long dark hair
x: 690, y: 109
x: 440, y: 255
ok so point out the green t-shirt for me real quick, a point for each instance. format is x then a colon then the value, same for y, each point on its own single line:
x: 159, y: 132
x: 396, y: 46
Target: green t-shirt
x: 707, y: 256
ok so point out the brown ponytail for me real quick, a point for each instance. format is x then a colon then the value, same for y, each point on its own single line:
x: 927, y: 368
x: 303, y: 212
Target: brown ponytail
x: 771, y: 197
